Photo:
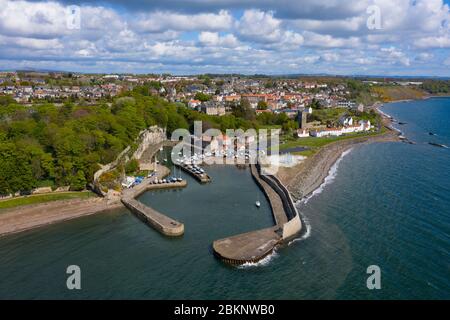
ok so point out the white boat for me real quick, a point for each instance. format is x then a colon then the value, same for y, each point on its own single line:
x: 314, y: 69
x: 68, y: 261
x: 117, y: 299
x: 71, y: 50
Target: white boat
x: 258, y: 204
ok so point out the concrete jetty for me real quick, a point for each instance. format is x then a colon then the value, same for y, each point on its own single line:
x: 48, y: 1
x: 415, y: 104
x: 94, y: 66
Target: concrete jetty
x: 160, y: 222
x: 254, y: 246
x: 157, y: 220
x: 200, y: 177
x: 247, y: 247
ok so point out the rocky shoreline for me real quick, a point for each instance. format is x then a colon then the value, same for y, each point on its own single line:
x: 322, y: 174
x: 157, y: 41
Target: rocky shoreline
x: 302, y: 179
x: 307, y: 176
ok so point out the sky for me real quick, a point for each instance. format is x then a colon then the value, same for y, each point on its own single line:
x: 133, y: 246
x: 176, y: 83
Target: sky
x: 364, y: 37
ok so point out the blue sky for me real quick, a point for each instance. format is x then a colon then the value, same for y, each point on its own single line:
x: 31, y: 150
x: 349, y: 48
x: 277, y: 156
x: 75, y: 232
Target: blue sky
x: 380, y: 37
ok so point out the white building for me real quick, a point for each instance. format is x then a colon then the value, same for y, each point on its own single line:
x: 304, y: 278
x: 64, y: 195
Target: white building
x: 213, y: 110
x: 128, y: 183
x: 302, y: 133
x: 362, y: 126
x: 194, y: 103
x: 346, y: 121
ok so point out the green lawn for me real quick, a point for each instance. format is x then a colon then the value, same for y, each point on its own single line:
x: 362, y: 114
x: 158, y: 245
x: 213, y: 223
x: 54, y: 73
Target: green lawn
x: 40, y: 198
x: 270, y: 126
x: 313, y: 144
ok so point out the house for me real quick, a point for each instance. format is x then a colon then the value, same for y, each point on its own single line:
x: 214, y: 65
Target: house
x: 232, y: 98
x: 291, y: 113
x: 360, y: 107
x: 346, y: 104
x: 220, y: 143
x: 194, y: 104
x: 263, y: 111
x: 363, y: 125
x: 128, y: 182
x: 213, y: 109
x: 302, y: 133
x: 253, y: 99
x: 346, y: 121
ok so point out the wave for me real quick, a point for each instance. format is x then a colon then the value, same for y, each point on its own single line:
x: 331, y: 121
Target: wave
x: 328, y: 180
x: 261, y: 263
x: 306, y: 234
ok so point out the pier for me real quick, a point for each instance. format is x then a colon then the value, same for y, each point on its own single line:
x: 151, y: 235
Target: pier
x: 254, y: 246
x: 200, y: 177
x: 157, y: 220
x: 160, y: 222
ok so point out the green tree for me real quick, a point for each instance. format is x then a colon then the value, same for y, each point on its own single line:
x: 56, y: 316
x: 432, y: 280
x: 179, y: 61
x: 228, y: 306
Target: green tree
x: 262, y: 105
x: 132, y: 166
x: 78, y: 181
x: 244, y: 110
x: 202, y: 96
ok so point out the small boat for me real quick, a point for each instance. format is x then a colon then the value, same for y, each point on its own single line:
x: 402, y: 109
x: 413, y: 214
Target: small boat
x: 258, y: 204
x: 432, y: 134
x: 438, y: 145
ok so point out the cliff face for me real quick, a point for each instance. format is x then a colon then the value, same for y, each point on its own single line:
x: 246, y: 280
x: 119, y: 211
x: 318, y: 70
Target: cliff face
x: 147, y: 138
x: 150, y: 137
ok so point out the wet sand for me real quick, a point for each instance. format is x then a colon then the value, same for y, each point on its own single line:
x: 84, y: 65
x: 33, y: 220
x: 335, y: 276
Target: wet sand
x: 32, y: 216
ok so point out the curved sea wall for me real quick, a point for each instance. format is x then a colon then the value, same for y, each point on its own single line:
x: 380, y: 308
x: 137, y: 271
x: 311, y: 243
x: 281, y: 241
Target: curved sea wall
x: 294, y: 224
x: 256, y: 245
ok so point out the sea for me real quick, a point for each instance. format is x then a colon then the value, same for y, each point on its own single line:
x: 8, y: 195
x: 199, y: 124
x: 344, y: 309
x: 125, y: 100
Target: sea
x: 383, y: 204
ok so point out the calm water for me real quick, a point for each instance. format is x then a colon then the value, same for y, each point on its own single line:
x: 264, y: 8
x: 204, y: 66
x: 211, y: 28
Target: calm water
x: 388, y: 204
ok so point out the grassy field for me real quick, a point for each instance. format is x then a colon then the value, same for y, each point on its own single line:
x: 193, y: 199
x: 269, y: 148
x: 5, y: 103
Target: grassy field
x: 393, y: 93
x: 314, y: 144
x: 40, y: 198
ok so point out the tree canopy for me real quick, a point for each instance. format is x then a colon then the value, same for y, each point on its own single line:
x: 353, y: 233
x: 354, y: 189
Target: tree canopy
x: 64, y: 145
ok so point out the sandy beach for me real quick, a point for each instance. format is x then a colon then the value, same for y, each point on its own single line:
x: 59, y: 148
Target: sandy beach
x: 32, y: 216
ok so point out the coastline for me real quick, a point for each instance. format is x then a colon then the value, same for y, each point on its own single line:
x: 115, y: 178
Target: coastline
x: 306, y: 177
x: 301, y: 181
x: 29, y: 217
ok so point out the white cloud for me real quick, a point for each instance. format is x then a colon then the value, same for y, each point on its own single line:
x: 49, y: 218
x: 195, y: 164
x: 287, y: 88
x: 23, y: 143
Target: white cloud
x: 393, y: 55
x: 162, y: 21
x: 214, y: 39
x: 261, y: 27
x: 313, y: 39
x: 330, y: 57
x: 31, y: 43
x: 424, y: 56
x: 433, y: 42
x: 32, y: 19
x: 270, y: 35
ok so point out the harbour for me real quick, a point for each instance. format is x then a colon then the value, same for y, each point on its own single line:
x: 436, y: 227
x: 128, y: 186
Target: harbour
x: 236, y: 250
x: 351, y: 228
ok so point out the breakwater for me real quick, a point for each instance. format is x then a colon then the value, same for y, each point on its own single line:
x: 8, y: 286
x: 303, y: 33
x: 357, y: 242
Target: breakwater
x: 254, y: 246
x: 157, y: 220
